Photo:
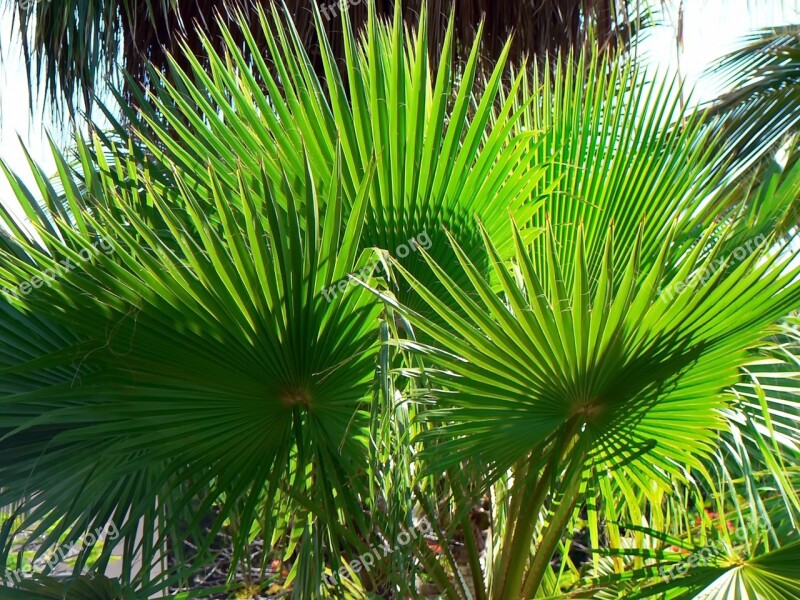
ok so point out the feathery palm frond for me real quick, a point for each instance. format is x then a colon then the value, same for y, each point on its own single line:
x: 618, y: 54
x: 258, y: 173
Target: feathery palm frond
x: 761, y: 106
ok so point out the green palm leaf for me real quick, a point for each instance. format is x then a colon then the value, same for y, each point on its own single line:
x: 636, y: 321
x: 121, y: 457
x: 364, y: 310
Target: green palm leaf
x: 769, y: 576
x: 79, y: 588
x: 213, y: 332
x: 444, y: 141
x: 616, y: 360
x: 637, y: 383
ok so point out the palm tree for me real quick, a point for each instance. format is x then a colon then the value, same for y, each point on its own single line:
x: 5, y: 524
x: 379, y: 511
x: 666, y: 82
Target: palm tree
x: 575, y: 329
x: 71, y: 47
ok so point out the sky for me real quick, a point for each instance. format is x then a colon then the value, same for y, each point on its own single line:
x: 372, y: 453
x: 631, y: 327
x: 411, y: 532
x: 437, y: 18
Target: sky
x: 711, y: 27
x: 16, y: 120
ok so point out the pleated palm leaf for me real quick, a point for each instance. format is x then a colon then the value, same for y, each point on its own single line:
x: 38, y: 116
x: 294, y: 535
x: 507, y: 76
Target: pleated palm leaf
x: 750, y: 476
x: 203, y: 367
x: 78, y: 588
x: 771, y: 576
x: 717, y: 568
x: 599, y: 350
x: 764, y: 439
x: 179, y: 216
x: 647, y: 166
x: 622, y: 161
x: 201, y: 356
x: 443, y: 139
x: 562, y: 374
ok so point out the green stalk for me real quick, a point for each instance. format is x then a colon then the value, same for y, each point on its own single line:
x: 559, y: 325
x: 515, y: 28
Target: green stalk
x: 555, y: 529
x: 470, y: 543
x: 501, y: 567
x: 514, y: 558
x: 524, y: 528
x: 474, y: 559
x: 426, y: 556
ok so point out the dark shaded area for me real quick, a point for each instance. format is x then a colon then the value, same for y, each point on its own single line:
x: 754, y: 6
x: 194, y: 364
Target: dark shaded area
x: 73, y: 45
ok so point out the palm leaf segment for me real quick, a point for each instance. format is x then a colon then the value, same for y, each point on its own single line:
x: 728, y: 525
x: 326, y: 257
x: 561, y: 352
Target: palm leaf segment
x: 288, y: 183
x: 208, y: 320
x: 760, y: 107
x: 771, y: 576
x: 621, y: 161
x: 77, y: 588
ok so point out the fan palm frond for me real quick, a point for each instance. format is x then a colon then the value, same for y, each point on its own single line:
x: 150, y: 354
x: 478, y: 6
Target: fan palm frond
x: 268, y: 381
x: 445, y: 147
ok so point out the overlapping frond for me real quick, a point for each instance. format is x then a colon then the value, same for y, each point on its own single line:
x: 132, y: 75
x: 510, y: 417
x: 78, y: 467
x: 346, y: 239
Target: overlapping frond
x: 581, y: 315
x: 445, y: 144
x: 628, y: 157
x: 770, y: 575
